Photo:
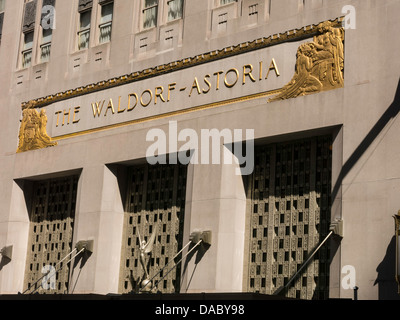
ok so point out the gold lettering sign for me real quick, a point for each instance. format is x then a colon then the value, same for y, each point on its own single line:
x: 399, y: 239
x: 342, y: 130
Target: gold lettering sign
x: 319, y: 65
x: 146, y: 98
x: 217, y: 78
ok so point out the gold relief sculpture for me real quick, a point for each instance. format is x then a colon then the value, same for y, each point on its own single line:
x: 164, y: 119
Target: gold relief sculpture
x: 33, y: 133
x: 319, y: 65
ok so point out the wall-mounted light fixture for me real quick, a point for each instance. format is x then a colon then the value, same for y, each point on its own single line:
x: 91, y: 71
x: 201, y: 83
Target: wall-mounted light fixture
x: 204, y: 236
x: 196, y: 239
x: 86, y: 246
x: 336, y: 228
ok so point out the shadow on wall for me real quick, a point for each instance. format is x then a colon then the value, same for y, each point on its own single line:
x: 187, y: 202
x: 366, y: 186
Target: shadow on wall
x: 4, y: 261
x: 199, y: 252
x: 387, y: 286
x: 82, y: 258
x: 386, y: 281
x: 391, y: 112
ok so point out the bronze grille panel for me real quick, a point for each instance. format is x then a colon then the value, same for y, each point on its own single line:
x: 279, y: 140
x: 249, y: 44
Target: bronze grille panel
x: 289, y: 215
x: 51, y: 232
x: 155, y: 202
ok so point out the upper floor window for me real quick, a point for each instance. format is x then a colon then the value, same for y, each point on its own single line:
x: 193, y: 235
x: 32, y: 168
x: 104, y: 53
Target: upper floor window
x: 37, y: 32
x: 222, y: 2
x: 45, y: 46
x: 175, y: 9
x: 171, y: 10
x: 85, y: 18
x: 28, y: 33
x: 150, y: 13
x: 47, y: 24
x: 95, y: 22
x: 27, y: 52
x: 106, y: 19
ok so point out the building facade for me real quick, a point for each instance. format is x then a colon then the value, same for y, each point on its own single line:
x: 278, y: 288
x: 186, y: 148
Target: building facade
x: 200, y: 146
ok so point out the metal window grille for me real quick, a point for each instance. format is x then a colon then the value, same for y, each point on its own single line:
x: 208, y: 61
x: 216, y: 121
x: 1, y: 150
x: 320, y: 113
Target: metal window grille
x: 155, y: 203
x: 289, y: 215
x: 51, y: 231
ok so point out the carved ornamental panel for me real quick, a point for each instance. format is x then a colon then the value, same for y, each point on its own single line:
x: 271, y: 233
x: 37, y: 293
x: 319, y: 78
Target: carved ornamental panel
x: 288, y: 216
x: 51, y: 232
x: 155, y: 209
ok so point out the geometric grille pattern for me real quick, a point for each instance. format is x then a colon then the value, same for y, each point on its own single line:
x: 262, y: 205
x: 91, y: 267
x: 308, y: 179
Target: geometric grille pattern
x: 51, y: 232
x: 155, y: 203
x: 289, y: 215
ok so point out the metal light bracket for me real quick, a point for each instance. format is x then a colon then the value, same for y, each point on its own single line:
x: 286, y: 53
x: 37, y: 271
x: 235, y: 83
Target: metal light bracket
x: 204, y: 236
x: 337, y: 228
x: 87, y: 245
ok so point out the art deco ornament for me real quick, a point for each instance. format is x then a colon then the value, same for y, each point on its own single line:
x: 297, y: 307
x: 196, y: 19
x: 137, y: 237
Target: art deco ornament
x: 33, y: 133
x: 319, y: 64
x: 146, y: 248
